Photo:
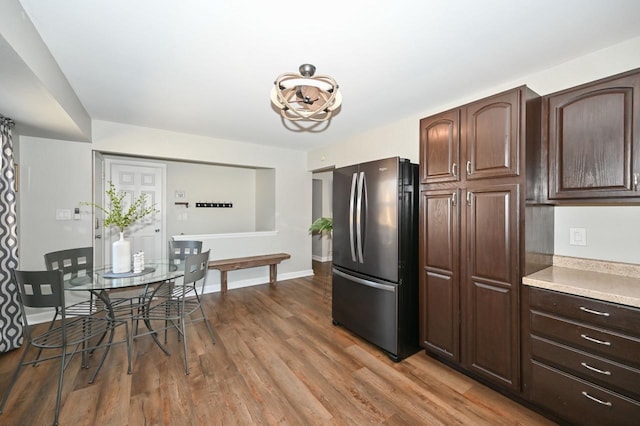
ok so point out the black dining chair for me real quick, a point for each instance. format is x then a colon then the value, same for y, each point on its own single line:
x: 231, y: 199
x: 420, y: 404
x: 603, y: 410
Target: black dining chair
x: 183, y: 306
x: 179, y: 250
x: 77, y: 264
x: 45, y: 289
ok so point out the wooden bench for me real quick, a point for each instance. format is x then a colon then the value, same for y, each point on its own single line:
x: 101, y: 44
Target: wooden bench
x: 226, y: 265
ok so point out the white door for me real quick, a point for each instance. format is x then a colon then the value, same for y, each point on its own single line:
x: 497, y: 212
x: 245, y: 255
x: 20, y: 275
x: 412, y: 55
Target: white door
x: 135, y: 178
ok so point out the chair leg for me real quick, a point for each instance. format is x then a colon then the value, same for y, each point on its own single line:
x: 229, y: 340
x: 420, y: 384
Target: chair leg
x: 166, y: 322
x: 206, y: 321
x: 184, y: 340
x: 59, y: 396
x: 126, y: 333
x: 129, y: 346
x: 73, y: 353
x: 14, y: 377
x: 53, y: 320
x: 106, y: 352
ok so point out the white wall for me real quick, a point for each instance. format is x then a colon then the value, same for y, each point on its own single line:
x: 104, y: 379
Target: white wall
x: 265, y: 200
x: 612, y: 232
x: 58, y: 174
x: 402, y: 138
x: 210, y: 183
x: 53, y: 175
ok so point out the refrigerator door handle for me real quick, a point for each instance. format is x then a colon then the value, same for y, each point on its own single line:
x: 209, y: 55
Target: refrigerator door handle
x: 354, y: 180
x: 359, y: 216
x: 385, y: 287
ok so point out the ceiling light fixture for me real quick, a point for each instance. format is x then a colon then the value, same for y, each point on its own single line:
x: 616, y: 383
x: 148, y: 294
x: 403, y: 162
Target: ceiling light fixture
x: 306, y: 96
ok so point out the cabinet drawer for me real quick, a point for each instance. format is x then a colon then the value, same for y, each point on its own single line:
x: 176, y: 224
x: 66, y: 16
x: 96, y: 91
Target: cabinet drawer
x: 618, y: 377
x: 609, y: 344
x: 579, y: 401
x: 590, y: 311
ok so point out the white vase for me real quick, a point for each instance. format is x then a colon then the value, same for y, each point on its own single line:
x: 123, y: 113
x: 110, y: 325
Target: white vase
x: 121, y: 255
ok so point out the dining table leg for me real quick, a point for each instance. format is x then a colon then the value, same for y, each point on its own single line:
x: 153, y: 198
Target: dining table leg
x: 147, y: 322
x: 102, y: 295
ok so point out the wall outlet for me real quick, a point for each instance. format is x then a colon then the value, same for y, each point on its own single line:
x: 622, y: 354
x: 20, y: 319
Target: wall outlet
x: 577, y: 236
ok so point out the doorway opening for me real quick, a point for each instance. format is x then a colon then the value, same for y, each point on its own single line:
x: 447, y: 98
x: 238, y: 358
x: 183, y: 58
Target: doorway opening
x: 321, y: 249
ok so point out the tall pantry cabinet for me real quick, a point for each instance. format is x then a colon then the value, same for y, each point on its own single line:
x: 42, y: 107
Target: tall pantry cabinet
x: 480, y: 172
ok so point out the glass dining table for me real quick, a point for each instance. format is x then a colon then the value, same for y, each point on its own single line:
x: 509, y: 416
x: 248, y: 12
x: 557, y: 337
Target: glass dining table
x: 102, y: 281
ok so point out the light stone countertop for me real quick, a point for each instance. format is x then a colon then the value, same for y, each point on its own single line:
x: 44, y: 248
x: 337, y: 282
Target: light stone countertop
x: 602, y: 280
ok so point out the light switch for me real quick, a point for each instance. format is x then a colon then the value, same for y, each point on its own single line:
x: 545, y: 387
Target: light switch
x: 577, y: 236
x: 63, y: 214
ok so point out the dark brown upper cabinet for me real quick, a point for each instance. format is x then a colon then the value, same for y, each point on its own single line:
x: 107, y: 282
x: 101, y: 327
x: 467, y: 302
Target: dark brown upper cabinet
x: 440, y: 147
x: 492, y: 138
x: 593, y: 135
x: 476, y: 141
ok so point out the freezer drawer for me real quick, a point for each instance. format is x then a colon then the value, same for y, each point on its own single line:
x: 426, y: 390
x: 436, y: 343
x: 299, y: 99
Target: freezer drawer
x: 367, y: 308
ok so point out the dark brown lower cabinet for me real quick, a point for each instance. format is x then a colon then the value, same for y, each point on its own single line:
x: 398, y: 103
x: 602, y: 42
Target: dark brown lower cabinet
x: 440, y: 280
x: 581, y: 358
x: 470, y: 279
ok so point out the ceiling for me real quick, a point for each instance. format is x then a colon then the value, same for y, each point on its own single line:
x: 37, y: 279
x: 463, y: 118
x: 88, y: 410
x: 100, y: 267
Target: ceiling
x: 206, y: 67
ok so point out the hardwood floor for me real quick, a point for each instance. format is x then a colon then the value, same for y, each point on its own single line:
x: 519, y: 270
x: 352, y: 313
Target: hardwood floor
x: 277, y: 360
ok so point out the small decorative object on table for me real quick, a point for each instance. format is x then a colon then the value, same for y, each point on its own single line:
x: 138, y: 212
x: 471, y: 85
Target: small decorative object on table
x: 118, y: 216
x: 138, y: 262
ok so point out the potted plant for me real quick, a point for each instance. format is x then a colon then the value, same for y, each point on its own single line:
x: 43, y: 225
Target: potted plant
x: 321, y: 225
x: 117, y: 215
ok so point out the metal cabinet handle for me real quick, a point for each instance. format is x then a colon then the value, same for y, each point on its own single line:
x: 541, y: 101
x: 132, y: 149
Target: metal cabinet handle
x: 635, y: 181
x: 593, y: 398
x: 591, y: 311
x: 597, y: 370
x: 591, y: 339
x: 469, y: 167
x: 359, y: 213
x: 468, y: 198
x: 454, y: 198
x: 352, y: 200
x: 454, y: 169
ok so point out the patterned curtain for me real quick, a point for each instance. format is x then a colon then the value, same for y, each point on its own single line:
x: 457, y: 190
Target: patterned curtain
x: 10, y: 323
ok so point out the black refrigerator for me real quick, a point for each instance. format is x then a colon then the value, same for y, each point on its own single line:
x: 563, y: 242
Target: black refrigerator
x: 375, y: 253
